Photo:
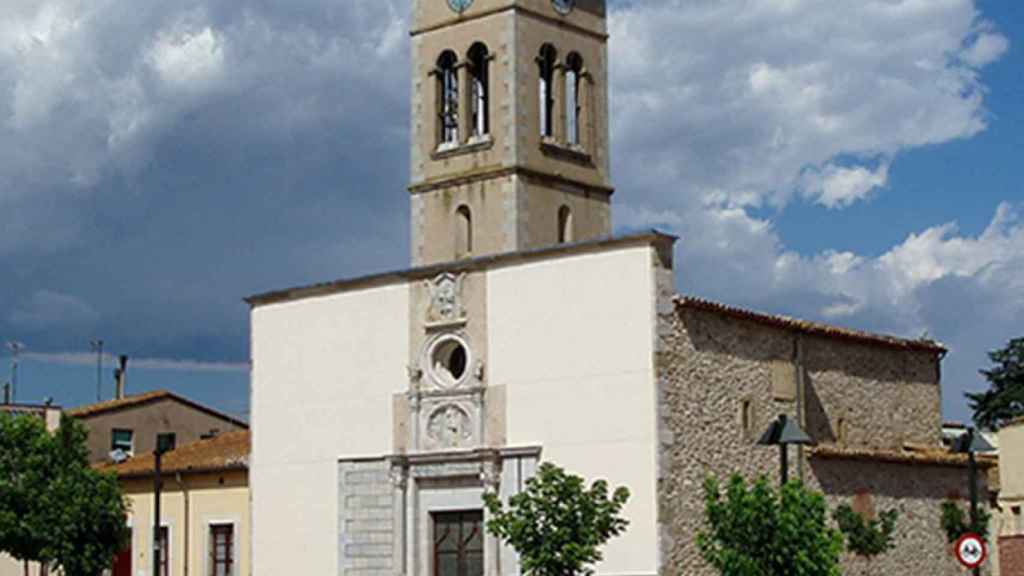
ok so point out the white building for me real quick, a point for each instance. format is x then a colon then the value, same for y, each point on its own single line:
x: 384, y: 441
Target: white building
x: 384, y: 406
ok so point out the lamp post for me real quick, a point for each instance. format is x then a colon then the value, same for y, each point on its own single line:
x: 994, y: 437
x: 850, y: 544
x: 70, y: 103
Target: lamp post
x: 783, y: 432
x: 162, y: 445
x: 971, y: 443
x: 15, y: 348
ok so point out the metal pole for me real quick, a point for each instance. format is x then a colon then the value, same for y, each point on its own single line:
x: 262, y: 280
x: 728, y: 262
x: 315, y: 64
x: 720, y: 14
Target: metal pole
x: 156, y: 513
x: 784, y: 459
x: 972, y: 478
x: 14, y: 347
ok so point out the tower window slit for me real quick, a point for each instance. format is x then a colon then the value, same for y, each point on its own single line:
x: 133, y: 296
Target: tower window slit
x: 463, y: 232
x: 573, y: 105
x: 448, y: 98
x: 565, y: 232
x: 546, y: 64
x: 480, y: 88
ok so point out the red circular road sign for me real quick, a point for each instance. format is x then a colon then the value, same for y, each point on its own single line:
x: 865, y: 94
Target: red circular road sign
x: 971, y: 550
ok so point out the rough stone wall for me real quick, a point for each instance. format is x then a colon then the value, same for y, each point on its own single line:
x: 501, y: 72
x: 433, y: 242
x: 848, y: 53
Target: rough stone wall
x: 717, y: 373
x: 885, y: 397
x: 916, y: 492
x: 1011, y: 555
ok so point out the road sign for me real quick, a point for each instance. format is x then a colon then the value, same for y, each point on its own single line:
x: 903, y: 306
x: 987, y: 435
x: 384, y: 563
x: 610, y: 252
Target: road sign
x: 971, y: 550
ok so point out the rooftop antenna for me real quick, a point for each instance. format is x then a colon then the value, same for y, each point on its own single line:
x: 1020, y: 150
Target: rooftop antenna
x: 96, y: 345
x: 15, y: 347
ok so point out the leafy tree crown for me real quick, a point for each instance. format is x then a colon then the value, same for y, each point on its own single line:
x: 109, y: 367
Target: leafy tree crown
x: 867, y: 537
x: 755, y: 531
x: 1004, y: 400
x: 557, y: 524
x: 55, y: 508
x: 956, y: 522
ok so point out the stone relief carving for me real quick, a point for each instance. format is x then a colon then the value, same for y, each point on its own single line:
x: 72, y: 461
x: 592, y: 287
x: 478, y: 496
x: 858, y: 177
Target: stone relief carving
x: 445, y: 298
x: 450, y: 427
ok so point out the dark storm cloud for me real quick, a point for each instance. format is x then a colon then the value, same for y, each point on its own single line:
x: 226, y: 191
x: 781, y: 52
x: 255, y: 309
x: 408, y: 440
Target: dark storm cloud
x: 161, y: 161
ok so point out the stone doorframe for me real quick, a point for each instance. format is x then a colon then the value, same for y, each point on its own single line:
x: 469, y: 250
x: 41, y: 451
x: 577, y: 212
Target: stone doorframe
x: 451, y: 481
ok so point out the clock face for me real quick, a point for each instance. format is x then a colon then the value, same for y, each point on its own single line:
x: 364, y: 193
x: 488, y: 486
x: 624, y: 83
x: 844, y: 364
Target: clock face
x: 563, y: 6
x: 459, y: 5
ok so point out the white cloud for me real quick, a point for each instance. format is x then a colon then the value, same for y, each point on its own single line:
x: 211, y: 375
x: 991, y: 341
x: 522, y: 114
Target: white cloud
x: 169, y: 364
x: 837, y: 186
x: 185, y: 58
x: 987, y: 48
x: 743, y: 98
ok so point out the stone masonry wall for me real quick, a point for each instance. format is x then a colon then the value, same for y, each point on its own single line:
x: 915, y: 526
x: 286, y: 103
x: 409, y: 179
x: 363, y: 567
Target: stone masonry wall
x: 1011, y: 555
x: 719, y: 382
x: 916, y: 492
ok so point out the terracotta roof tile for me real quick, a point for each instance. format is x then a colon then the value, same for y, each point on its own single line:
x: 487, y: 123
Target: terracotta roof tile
x: 228, y: 451
x: 807, y: 327
x: 936, y: 456
x: 90, y: 410
x: 109, y: 405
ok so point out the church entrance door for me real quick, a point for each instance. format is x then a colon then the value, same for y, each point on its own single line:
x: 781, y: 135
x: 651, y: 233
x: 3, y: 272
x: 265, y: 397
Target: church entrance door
x: 458, y: 543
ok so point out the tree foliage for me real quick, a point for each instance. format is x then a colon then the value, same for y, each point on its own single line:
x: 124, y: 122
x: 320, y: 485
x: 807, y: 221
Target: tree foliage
x: 557, y: 524
x: 956, y: 522
x: 865, y: 537
x: 54, y: 508
x: 754, y: 531
x: 1004, y: 401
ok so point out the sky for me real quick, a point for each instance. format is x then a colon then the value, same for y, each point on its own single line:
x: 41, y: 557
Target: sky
x: 854, y: 162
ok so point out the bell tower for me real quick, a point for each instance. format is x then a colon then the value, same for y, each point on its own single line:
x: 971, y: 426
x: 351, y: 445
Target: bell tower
x: 509, y: 126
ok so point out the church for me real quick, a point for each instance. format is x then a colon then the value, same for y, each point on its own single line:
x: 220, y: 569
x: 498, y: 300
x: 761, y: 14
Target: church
x: 523, y: 331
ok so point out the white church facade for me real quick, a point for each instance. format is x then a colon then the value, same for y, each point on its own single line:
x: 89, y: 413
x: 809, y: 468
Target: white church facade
x: 384, y: 406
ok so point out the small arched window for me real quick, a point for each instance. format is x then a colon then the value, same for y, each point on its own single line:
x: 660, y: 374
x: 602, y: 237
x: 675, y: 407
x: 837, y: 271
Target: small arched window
x: 565, y: 232
x: 447, y: 98
x: 573, y: 99
x: 479, y: 63
x: 463, y: 232
x: 546, y: 65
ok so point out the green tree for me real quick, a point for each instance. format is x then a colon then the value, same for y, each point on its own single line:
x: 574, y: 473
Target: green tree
x: 25, y: 455
x: 757, y: 532
x: 557, y: 524
x: 1004, y: 401
x: 55, y: 508
x: 956, y: 522
x: 865, y: 537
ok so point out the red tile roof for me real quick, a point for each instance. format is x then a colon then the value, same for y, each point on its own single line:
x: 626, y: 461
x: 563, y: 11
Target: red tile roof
x: 936, y: 456
x: 826, y: 330
x: 90, y: 410
x: 228, y: 451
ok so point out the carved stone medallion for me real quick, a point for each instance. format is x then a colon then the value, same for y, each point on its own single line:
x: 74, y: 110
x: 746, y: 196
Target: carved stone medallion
x: 450, y: 427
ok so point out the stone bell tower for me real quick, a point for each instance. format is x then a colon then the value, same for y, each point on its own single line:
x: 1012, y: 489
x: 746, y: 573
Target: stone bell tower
x: 509, y: 126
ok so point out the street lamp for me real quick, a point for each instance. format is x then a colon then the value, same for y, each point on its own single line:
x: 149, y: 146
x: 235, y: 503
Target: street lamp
x: 972, y: 443
x: 783, y: 432
x: 163, y: 445
x: 15, y: 347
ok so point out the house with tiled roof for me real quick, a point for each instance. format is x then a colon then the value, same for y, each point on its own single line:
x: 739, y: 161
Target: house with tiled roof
x: 129, y: 425
x: 204, y: 508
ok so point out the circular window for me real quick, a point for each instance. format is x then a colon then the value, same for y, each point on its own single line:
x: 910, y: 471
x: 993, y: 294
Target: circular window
x: 449, y: 360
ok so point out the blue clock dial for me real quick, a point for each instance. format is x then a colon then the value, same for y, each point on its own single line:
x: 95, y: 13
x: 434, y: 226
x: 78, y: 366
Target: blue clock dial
x: 459, y: 5
x: 563, y: 6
